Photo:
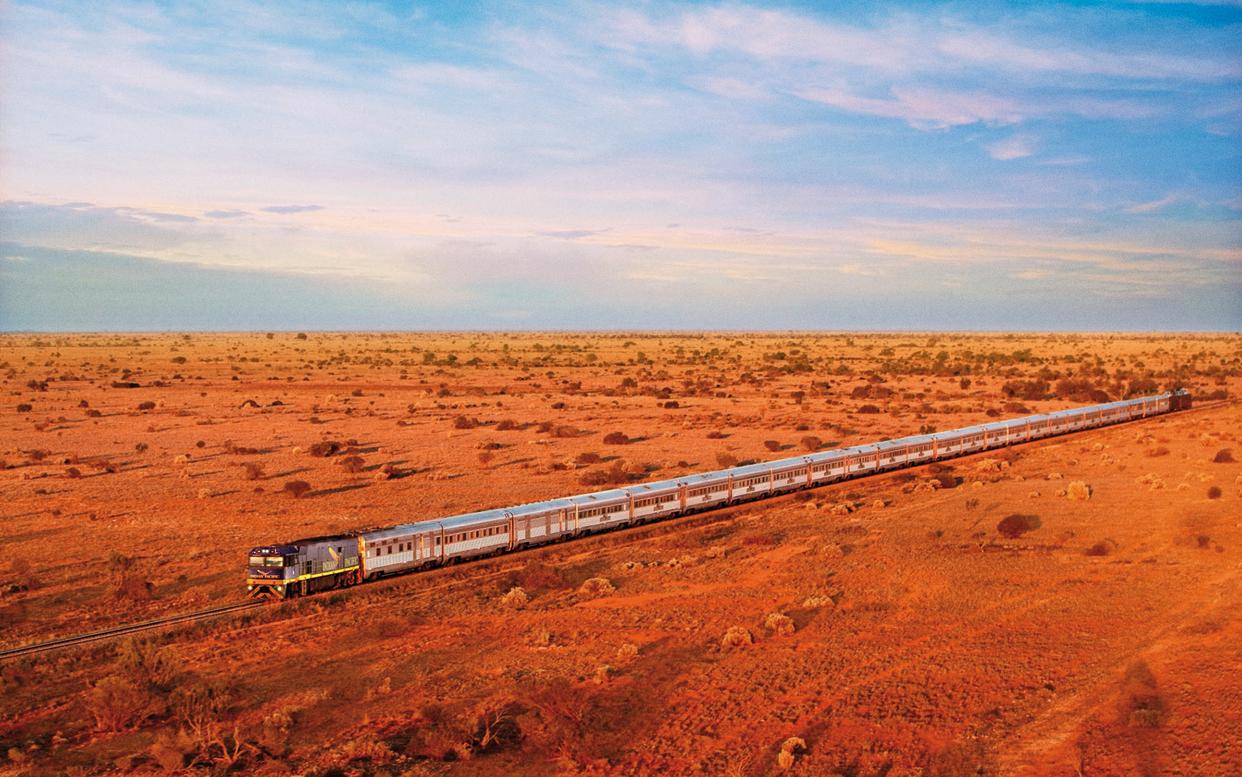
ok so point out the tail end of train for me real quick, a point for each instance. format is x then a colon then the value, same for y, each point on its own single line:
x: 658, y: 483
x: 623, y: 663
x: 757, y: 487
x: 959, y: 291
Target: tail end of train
x: 1179, y: 400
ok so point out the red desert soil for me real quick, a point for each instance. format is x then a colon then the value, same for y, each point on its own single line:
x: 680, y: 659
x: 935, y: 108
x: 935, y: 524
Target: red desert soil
x: 886, y: 626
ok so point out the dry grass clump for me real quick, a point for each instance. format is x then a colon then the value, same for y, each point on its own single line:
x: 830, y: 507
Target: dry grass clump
x: 779, y: 623
x: 238, y: 450
x: 597, y: 586
x: 324, y: 448
x: 627, y: 652
x: 515, y: 598
x: 818, y: 601
x: 298, y: 488
x: 790, y: 749
x: 737, y: 637
x: 1078, y: 491
x: 1017, y: 524
x: 1223, y: 456
x: 615, y: 474
x: 253, y: 470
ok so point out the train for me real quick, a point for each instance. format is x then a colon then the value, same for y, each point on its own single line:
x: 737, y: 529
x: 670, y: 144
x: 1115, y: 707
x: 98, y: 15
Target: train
x: 306, y: 566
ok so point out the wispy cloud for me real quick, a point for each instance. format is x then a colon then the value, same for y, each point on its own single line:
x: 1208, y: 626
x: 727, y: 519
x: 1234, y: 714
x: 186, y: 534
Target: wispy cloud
x: 1013, y: 147
x: 571, y: 234
x: 287, y: 209
x: 1154, y: 205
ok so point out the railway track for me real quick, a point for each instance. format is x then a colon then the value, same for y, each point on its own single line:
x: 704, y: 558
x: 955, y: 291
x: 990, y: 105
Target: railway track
x: 449, y: 577
x: 131, y: 628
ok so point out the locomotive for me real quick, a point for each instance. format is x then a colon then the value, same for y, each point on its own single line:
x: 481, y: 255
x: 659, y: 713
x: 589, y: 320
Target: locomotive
x: 315, y: 564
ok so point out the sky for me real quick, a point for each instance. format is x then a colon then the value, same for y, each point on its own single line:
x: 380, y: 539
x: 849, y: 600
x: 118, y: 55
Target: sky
x: 640, y: 165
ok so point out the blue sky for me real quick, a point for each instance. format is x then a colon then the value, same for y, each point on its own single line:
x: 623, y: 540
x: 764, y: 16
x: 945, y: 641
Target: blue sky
x: 254, y: 165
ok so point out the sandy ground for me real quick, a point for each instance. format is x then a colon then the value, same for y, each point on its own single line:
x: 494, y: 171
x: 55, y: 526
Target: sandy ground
x: 885, y: 624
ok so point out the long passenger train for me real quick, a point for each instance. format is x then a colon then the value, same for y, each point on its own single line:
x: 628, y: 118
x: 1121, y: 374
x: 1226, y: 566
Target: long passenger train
x: 306, y: 566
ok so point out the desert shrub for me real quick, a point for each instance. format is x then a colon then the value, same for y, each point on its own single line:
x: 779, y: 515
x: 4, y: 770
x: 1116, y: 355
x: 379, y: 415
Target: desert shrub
x: 779, y: 623
x: 736, y: 637
x: 462, y: 422
x: 596, y: 477
x: 147, y: 405
x: 133, y: 587
x: 352, y: 463
x: 1214, y: 492
x: 485, y: 457
x: 515, y: 597
x: 124, y: 384
x: 1223, y: 456
x: 726, y: 460
x: 1017, y: 524
x: 73, y: 473
x: 496, y: 727
x: 1026, y: 389
x: 587, y: 457
x: 324, y: 448
x: 141, y: 447
x: 772, y: 445
x: 1203, y: 541
x: 93, y: 413
x: 1159, y: 450
x: 616, y: 438
x: 566, y: 431
x: 1078, y: 491
x: 253, y: 470
x: 1102, y: 548
x: 24, y: 407
x: 506, y: 425
x: 716, y: 435
x: 868, y: 409
x: 788, y: 754
x: 1079, y: 390
x: 811, y: 443
x: 118, y: 704
x: 597, y: 586
x: 615, y: 474
x: 298, y: 488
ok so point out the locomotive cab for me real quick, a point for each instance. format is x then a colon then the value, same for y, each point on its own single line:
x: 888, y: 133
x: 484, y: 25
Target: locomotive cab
x: 271, y: 569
